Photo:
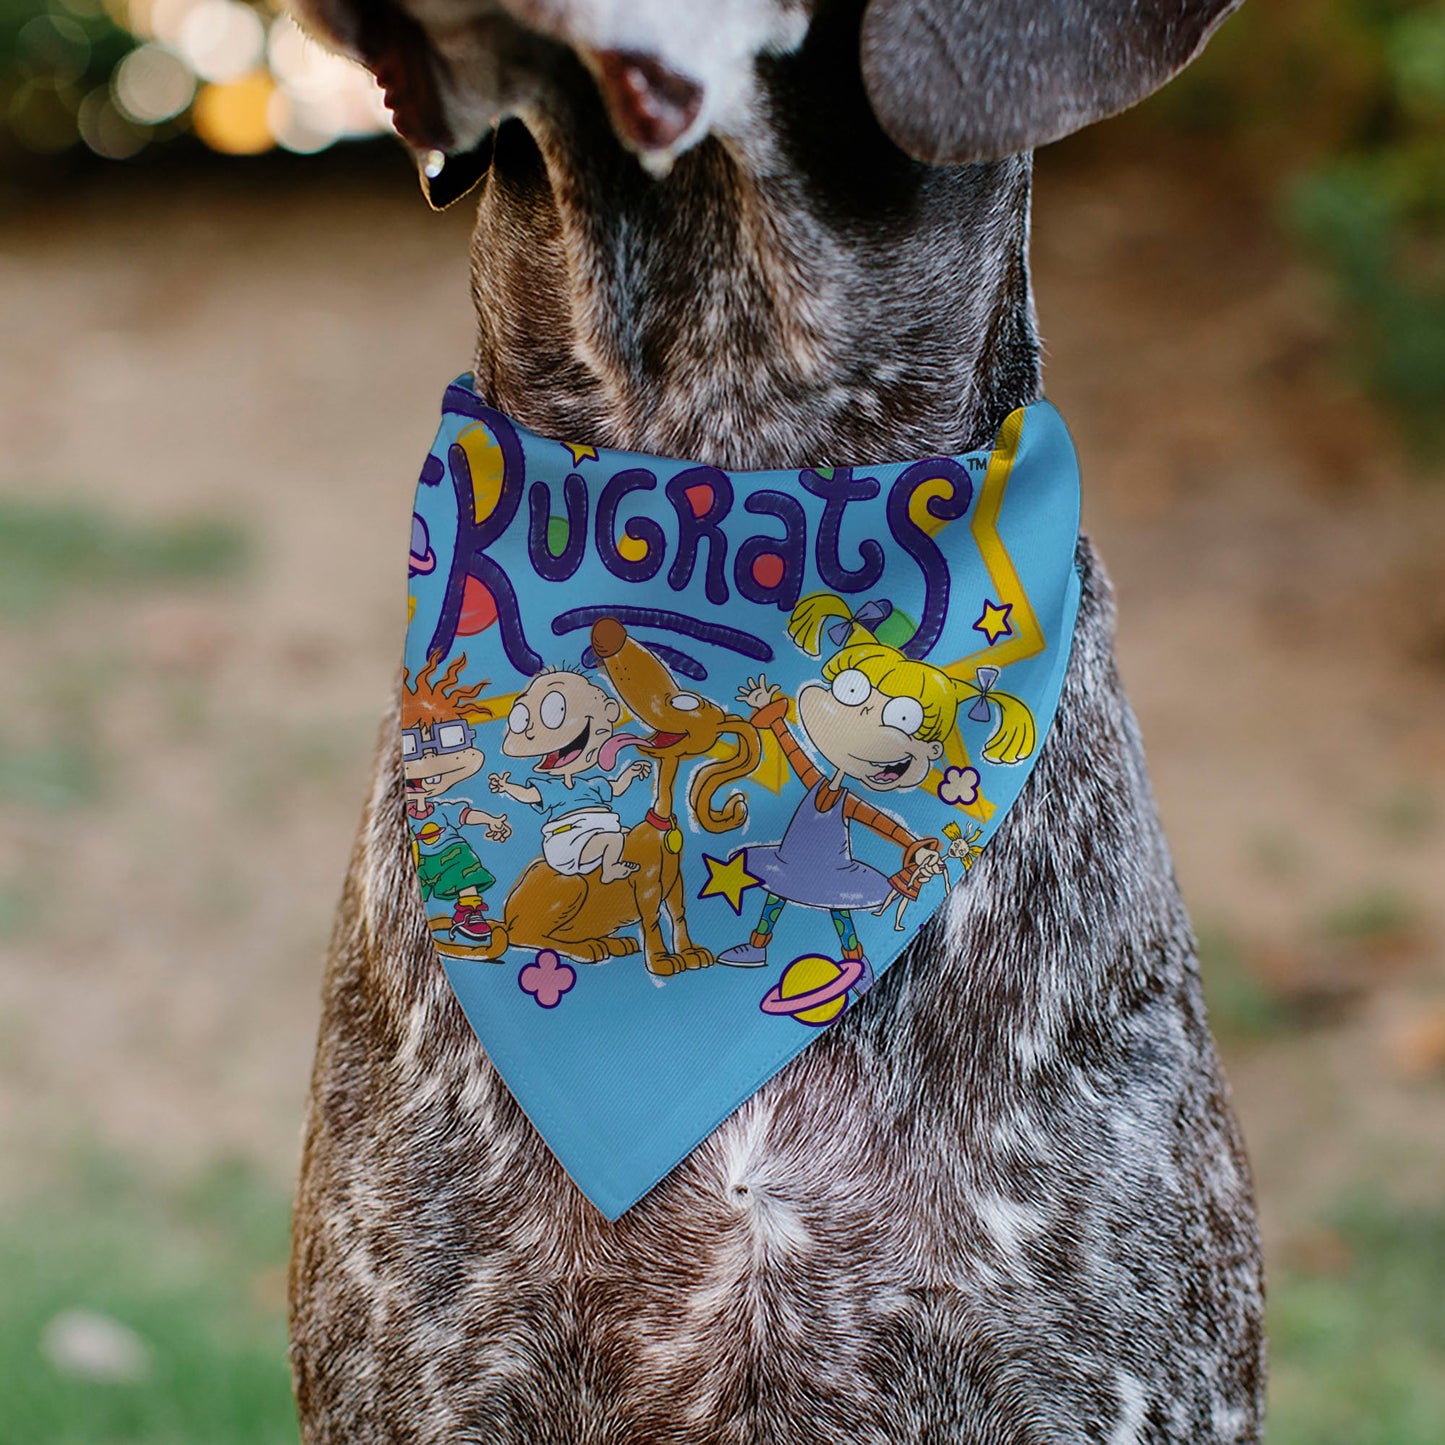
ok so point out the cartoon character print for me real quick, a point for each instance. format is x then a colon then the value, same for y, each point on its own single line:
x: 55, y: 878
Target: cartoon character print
x: 961, y: 845
x: 879, y: 720
x: 568, y: 724
x: 439, y: 752
x: 563, y: 901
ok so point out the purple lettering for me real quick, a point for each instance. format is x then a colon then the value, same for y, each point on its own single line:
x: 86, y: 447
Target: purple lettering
x: 837, y: 491
x: 701, y: 497
x: 641, y: 531
x: 921, y: 547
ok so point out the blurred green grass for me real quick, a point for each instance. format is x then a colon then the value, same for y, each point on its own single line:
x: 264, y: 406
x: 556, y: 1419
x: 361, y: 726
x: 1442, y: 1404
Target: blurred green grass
x: 49, y: 550
x: 1336, y: 109
x: 1358, y: 1344
x: 1242, y: 1006
x: 1357, y: 1316
x: 195, y: 1272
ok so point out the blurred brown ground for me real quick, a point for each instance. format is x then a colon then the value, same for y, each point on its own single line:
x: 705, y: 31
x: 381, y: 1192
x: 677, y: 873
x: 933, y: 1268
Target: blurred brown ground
x: 274, y: 355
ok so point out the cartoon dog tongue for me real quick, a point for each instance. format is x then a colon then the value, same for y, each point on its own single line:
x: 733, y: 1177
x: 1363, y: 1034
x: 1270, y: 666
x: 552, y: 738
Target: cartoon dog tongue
x: 607, y: 756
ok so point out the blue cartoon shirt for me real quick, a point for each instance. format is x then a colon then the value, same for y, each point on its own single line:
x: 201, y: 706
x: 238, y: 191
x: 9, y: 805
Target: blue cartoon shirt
x: 557, y: 799
x: 441, y: 827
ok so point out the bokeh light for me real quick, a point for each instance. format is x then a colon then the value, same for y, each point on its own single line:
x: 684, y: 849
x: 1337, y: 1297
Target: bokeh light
x: 232, y: 117
x: 57, y: 44
x: 119, y: 75
x: 42, y: 114
x: 152, y: 84
x: 106, y: 130
x: 221, y: 40
x: 320, y: 97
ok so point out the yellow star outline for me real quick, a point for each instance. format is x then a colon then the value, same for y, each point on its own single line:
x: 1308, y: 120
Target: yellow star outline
x: 994, y: 623
x: 581, y: 454
x: 728, y: 880
x: 1026, y: 638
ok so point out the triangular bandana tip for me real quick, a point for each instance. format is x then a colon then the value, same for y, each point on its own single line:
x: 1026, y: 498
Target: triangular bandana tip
x: 690, y: 755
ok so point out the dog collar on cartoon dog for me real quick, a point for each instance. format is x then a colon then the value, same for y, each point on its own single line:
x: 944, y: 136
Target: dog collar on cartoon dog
x: 691, y: 755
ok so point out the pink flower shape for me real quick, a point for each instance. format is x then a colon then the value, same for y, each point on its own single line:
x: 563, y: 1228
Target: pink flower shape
x: 547, y: 979
x: 959, y: 786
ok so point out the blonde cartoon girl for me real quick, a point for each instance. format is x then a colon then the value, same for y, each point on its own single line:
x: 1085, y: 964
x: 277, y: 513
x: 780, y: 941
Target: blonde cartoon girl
x: 960, y: 845
x: 878, y: 719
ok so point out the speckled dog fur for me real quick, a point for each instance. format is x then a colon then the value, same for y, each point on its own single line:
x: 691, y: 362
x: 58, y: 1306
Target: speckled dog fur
x: 1003, y: 1199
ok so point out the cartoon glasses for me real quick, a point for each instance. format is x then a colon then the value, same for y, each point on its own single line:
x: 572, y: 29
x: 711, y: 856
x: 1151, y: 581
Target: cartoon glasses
x: 450, y: 736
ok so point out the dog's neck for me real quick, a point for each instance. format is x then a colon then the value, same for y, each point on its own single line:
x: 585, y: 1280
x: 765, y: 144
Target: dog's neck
x: 666, y: 785
x: 804, y: 295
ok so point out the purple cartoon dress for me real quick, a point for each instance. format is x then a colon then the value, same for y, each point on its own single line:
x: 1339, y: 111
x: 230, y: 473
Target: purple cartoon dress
x: 814, y: 864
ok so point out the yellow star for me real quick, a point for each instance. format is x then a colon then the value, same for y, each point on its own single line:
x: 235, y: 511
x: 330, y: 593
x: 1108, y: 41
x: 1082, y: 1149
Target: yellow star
x: 581, y: 454
x: 728, y: 880
x: 995, y: 621
x: 772, y: 768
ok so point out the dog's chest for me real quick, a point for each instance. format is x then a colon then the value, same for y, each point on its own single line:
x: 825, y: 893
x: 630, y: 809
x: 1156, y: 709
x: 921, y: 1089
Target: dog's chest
x: 1023, y: 1116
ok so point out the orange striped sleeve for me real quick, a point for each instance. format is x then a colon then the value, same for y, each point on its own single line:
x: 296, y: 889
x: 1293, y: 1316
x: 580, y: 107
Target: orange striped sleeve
x: 774, y: 715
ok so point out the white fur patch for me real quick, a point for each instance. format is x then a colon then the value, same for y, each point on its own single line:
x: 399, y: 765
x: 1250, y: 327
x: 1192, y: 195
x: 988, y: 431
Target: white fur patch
x: 1132, y: 1404
x: 1009, y: 1224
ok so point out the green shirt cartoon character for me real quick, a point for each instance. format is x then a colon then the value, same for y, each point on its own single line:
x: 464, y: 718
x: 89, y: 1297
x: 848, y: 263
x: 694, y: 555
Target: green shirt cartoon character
x: 438, y: 751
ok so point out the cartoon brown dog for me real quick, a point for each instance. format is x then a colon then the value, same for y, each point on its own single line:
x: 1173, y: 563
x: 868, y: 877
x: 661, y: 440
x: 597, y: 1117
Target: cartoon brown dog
x: 581, y: 913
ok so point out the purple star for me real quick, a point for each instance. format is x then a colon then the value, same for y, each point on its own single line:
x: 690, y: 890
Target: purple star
x: 547, y: 979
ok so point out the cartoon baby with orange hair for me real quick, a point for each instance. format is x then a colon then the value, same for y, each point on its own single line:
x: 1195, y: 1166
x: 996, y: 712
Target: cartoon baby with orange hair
x: 439, y: 751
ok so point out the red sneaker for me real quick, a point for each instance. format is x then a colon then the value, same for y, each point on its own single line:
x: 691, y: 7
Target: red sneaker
x: 469, y: 921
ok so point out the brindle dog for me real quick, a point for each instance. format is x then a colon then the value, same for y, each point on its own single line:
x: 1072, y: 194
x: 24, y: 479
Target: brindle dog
x: 1003, y: 1199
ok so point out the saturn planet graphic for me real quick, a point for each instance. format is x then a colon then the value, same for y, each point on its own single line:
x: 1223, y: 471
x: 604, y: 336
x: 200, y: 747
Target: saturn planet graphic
x: 813, y: 989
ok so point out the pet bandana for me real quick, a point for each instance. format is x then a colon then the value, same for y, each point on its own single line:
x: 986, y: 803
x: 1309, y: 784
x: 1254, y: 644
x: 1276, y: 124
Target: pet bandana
x: 691, y: 755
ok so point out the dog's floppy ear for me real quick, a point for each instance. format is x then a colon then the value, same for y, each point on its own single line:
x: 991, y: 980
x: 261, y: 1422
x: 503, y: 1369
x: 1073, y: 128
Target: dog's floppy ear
x: 974, y: 80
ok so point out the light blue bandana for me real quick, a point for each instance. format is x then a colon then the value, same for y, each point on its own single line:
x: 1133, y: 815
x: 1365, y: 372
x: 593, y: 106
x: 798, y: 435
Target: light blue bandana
x: 691, y: 754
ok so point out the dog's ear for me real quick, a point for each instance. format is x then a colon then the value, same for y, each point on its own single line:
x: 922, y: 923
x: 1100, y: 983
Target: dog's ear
x: 974, y: 80
x: 705, y: 782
